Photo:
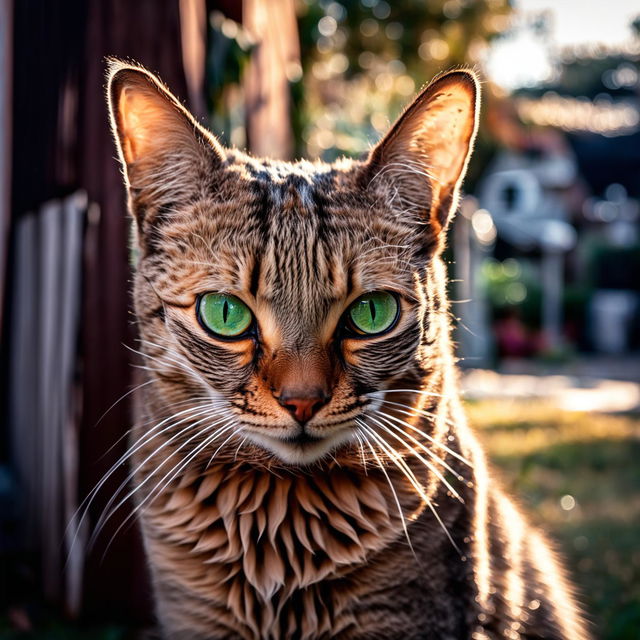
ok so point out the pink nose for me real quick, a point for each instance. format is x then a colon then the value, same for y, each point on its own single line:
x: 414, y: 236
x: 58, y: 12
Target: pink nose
x: 303, y: 406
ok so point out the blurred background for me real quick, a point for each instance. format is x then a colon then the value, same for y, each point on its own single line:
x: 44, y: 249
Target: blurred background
x: 544, y: 257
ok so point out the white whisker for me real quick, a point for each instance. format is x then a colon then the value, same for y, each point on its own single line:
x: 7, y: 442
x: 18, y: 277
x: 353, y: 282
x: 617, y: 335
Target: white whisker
x: 103, y: 519
x: 121, y: 398
x: 422, y: 459
x: 215, y: 453
x: 437, y: 443
x: 178, y: 359
x: 420, y: 391
x: 146, y: 422
x: 387, y: 417
x: 88, y: 500
x: 361, y: 426
x: 399, y: 462
x: 364, y: 462
x: 152, y: 494
x: 235, y: 457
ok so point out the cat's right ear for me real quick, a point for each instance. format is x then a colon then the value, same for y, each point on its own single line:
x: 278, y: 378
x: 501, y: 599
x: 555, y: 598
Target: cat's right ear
x: 424, y: 157
x: 159, y: 142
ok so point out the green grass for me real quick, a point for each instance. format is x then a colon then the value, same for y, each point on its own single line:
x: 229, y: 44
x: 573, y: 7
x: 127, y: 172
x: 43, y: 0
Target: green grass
x: 544, y: 454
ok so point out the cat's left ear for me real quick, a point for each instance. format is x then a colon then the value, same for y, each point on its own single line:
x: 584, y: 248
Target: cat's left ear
x: 425, y: 154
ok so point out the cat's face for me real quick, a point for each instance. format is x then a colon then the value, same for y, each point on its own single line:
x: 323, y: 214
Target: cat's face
x: 291, y: 294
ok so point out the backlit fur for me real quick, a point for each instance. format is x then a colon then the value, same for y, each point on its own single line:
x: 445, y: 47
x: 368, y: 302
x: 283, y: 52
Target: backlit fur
x: 382, y: 522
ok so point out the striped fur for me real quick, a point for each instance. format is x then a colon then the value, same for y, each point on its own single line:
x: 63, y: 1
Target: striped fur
x: 384, y: 521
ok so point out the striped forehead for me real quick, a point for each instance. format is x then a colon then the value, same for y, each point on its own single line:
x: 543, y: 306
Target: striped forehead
x: 301, y: 263
x: 298, y: 243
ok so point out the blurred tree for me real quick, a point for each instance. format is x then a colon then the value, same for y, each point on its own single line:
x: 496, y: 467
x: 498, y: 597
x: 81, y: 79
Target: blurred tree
x: 364, y: 59
x: 274, y: 62
x: 361, y: 61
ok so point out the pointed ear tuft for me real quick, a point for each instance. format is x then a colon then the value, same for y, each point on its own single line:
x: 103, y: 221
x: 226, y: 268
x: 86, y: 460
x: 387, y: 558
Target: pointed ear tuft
x: 154, y: 133
x: 426, y: 152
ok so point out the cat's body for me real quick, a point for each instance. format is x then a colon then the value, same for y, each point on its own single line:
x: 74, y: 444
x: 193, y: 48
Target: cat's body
x: 271, y: 467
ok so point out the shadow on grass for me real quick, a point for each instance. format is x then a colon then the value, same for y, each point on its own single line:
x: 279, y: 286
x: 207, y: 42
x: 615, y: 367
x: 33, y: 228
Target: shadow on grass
x: 586, y: 494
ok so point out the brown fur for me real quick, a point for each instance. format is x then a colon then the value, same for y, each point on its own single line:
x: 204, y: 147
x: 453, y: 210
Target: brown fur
x: 378, y: 519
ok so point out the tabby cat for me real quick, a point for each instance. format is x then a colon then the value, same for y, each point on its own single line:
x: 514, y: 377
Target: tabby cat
x: 302, y: 467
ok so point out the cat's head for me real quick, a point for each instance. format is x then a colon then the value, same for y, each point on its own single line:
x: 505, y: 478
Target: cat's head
x: 290, y: 293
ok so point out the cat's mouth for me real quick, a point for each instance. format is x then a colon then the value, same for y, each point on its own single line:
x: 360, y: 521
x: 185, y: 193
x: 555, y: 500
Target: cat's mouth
x: 303, y: 438
x: 302, y: 447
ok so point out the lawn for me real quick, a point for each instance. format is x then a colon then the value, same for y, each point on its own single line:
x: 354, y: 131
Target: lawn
x: 578, y: 476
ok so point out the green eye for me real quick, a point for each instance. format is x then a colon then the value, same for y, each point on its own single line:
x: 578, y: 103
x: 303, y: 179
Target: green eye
x: 373, y: 312
x: 224, y: 314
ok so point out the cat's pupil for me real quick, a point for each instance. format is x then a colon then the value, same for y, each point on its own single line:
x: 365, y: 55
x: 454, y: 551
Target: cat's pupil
x: 225, y: 311
x: 372, y: 310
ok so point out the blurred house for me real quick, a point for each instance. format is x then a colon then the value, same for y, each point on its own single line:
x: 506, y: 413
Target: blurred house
x: 562, y: 192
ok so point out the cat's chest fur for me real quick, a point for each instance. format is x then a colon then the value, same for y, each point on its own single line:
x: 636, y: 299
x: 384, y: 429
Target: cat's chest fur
x: 276, y: 554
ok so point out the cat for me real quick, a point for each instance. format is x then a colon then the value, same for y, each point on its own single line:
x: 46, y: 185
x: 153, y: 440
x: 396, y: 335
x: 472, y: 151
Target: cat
x: 301, y: 464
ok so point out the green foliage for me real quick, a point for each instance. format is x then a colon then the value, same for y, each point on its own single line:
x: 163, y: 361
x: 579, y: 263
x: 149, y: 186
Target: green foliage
x: 513, y: 284
x: 228, y: 53
x: 427, y: 35
x: 364, y: 60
